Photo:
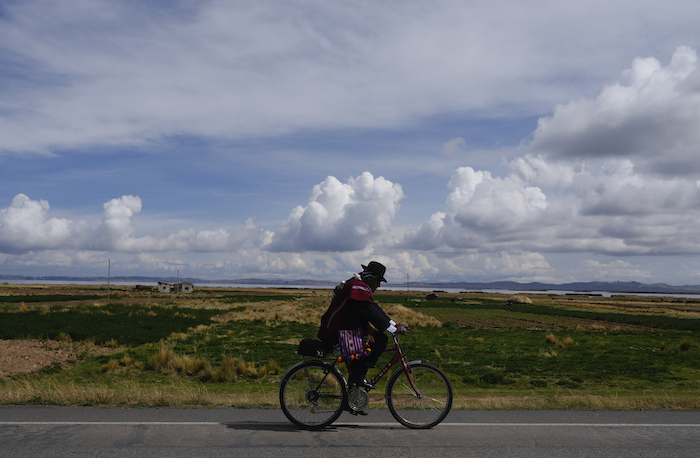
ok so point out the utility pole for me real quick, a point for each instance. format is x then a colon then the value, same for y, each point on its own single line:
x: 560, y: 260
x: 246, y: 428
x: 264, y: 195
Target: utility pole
x: 109, y: 274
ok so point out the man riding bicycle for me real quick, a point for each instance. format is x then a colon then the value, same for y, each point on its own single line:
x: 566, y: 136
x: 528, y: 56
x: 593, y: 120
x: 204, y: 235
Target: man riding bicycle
x: 314, y: 393
x: 353, y: 300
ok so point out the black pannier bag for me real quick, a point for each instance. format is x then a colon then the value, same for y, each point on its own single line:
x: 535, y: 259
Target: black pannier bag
x: 312, y: 347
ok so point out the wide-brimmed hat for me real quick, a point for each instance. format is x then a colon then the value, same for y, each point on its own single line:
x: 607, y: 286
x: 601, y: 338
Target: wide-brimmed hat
x: 377, y: 269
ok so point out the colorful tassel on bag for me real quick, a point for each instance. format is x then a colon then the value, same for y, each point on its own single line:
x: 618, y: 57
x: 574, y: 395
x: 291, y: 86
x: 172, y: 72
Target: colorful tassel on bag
x: 351, y: 346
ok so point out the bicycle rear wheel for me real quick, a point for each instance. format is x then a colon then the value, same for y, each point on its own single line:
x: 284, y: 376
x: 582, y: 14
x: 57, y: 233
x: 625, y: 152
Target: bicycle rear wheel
x: 426, y: 405
x: 312, y: 394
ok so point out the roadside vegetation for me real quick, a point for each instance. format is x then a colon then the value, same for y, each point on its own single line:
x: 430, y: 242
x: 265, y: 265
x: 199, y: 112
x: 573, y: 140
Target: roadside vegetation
x: 224, y: 347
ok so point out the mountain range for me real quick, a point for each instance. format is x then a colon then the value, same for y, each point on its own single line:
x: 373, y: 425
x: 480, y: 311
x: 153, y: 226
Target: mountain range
x: 613, y: 286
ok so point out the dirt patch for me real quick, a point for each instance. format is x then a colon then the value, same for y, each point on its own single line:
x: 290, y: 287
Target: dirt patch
x: 23, y: 356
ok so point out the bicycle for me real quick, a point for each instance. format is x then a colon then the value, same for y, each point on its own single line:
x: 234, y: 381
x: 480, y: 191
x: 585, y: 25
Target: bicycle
x: 314, y: 393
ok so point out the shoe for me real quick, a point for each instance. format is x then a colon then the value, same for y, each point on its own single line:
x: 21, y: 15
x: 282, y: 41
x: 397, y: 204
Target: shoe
x: 360, y: 382
x: 354, y: 412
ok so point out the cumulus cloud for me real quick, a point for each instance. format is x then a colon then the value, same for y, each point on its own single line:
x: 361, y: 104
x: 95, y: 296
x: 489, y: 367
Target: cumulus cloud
x: 341, y: 216
x: 26, y: 225
x: 116, y: 221
x: 609, y: 208
x: 480, y: 209
x: 651, y: 115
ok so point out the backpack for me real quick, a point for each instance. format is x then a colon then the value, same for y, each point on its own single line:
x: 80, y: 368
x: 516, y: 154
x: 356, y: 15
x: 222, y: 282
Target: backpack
x: 333, y: 319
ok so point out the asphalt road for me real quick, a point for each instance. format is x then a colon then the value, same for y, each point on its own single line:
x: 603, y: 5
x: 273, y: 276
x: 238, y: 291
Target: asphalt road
x: 177, y: 432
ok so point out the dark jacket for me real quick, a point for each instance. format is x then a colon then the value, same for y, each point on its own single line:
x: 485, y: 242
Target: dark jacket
x: 362, y: 310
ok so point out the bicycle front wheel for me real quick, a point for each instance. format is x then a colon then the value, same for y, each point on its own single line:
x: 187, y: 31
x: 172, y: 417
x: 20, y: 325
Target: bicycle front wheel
x: 421, y: 398
x: 312, y: 394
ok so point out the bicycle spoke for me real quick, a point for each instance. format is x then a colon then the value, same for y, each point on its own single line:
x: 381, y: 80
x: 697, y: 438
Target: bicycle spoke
x: 426, y: 407
x: 311, y: 394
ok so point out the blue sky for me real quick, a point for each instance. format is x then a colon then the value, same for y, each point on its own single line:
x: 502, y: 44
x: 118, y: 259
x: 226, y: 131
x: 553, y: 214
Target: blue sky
x: 490, y: 140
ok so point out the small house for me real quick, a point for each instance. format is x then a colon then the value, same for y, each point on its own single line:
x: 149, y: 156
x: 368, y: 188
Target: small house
x: 164, y: 287
x: 176, y: 287
x: 186, y: 287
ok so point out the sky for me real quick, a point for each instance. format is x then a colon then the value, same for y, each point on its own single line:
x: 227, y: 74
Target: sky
x: 550, y: 141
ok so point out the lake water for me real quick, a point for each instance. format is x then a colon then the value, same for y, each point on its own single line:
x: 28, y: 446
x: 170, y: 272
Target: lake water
x: 397, y: 288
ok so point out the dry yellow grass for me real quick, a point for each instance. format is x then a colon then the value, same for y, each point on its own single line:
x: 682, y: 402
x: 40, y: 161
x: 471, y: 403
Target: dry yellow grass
x: 402, y: 314
x: 128, y: 394
x: 175, y: 394
x: 162, y: 360
x: 191, y: 365
x: 568, y: 341
x: 302, y: 311
x: 166, y: 361
x: 554, y: 340
x: 578, y: 402
x: 111, y: 365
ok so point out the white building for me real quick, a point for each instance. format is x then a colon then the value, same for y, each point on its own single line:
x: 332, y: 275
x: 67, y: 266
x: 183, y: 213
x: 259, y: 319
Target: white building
x: 175, y: 287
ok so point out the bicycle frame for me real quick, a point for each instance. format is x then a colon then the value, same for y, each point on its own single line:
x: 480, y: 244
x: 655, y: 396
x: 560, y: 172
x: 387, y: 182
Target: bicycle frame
x: 398, y: 356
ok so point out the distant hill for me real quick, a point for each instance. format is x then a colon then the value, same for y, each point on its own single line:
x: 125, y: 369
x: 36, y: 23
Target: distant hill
x: 614, y: 286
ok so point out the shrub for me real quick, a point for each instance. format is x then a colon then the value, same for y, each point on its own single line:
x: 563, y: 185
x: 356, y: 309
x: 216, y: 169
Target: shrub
x: 273, y: 367
x: 206, y: 374
x: 251, y: 370
x: 227, y: 371
x: 189, y: 365
x: 127, y: 361
x: 63, y: 337
x: 685, y: 345
x: 547, y: 353
x: 566, y: 342
x: 232, y: 368
x: 111, y: 365
x: 162, y: 361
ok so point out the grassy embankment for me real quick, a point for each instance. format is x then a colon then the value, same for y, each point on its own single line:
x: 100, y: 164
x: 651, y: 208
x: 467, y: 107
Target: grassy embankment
x: 222, y: 347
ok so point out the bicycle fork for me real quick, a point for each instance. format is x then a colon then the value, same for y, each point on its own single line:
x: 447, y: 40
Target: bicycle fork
x: 398, y: 356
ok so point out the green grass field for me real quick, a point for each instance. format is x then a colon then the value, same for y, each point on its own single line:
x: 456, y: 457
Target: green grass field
x: 222, y: 346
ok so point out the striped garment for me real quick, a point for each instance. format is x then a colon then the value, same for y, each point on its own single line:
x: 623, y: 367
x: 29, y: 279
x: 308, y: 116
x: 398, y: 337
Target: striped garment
x: 351, y: 344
